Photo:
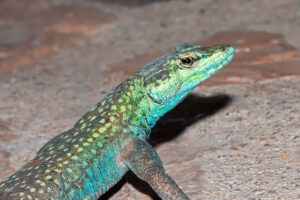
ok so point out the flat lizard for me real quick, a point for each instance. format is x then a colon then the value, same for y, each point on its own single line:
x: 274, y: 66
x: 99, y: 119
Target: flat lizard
x: 111, y: 138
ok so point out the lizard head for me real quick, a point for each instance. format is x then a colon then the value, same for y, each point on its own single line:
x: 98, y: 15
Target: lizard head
x: 168, y: 79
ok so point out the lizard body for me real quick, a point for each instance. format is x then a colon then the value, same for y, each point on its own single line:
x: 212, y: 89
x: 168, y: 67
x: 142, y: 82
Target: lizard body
x: 86, y: 160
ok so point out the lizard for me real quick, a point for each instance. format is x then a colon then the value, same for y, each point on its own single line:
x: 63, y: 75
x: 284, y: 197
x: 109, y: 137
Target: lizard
x: 85, y: 161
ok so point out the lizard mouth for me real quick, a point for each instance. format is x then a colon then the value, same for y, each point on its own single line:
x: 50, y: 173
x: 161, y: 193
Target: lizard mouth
x: 152, y: 99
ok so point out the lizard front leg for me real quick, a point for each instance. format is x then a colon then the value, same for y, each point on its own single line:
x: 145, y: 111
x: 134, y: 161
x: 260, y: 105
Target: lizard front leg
x: 143, y: 160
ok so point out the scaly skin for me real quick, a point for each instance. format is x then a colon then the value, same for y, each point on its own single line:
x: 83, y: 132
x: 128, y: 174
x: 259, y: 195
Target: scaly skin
x: 110, y: 139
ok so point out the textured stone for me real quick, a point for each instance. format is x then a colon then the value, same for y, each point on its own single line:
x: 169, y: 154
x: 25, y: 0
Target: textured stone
x: 6, y: 135
x: 4, y: 165
x: 130, y: 2
x: 32, y: 29
x: 259, y: 55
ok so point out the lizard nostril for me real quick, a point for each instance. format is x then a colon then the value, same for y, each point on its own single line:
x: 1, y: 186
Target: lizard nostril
x: 223, y: 49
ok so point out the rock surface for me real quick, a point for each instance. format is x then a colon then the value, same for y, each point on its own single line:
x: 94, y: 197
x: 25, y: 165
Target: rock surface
x: 259, y: 55
x: 236, y: 137
x: 33, y: 29
x: 130, y: 2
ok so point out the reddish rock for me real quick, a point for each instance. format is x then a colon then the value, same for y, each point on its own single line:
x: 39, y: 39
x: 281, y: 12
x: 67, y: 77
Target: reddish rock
x: 6, y: 135
x: 74, y: 19
x: 259, y: 55
x: 130, y: 2
x: 17, y: 10
x: 4, y: 164
x: 32, y: 29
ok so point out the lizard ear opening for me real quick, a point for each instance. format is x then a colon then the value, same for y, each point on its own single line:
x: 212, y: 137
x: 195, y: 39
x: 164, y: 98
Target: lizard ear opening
x: 161, y: 86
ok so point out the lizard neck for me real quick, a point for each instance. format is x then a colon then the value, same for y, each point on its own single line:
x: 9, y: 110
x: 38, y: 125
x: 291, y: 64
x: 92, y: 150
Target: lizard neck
x: 138, y: 113
x: 147, y: 111
x: 128, y: 108
x: 144, y: 114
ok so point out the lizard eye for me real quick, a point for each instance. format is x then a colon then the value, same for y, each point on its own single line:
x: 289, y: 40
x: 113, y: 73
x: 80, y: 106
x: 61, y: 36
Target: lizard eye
x: 187, y: 61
